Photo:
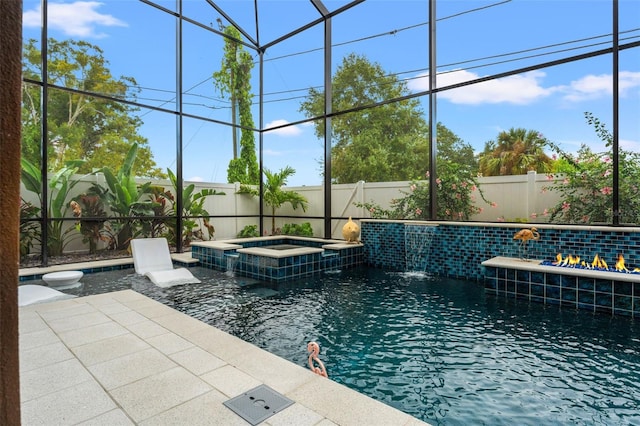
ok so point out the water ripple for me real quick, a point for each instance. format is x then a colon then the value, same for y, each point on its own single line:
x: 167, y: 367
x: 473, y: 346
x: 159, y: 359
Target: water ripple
x: 439, y: 349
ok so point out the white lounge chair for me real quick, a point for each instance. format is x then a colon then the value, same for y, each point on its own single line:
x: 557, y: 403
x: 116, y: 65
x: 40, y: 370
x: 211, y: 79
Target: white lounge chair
x: 151, y: 258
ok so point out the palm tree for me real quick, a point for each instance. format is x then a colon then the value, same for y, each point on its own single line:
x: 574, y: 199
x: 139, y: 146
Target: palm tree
x: 273, y: 194
x: 514, y: 153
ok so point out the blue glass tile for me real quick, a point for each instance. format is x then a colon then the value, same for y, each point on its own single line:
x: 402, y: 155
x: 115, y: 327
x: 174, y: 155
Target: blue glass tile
x: 623, y: 288
x: 586, y: 296
x: 604, y: 309
x: 605, y: 286
x: 554, y: 279
x: 523, y: 276
x: 522, y: 288
x: 568, y: 282
x: 622, y: 312
x: 491, y: 283
x: 552, y: 301
x: 604, y: 299
x: 587, y: 306
x: 537, y: 290
x: 537, y: 277
x: 623, y: 302
x: 568, y: 294
x: 552, y: 292
x: 585, y: 283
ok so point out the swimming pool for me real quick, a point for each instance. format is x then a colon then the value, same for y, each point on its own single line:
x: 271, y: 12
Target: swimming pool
x: 439, y: 349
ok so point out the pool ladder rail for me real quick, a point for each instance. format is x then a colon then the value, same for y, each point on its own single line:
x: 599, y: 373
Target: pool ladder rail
x: 314, y: 350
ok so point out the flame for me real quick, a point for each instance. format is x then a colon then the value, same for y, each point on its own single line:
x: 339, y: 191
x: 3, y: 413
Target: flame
x: 597, y: 263
x: 620, y: 264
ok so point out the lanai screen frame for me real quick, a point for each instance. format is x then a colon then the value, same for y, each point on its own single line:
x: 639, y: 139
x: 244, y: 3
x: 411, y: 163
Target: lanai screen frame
x: 324, y: 18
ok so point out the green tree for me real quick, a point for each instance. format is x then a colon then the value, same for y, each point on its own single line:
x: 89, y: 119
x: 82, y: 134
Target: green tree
x: 234, y: 79
x: 515, y: 152
x: 81, y: 126
x: 274, y: 195
x: 384, y: 143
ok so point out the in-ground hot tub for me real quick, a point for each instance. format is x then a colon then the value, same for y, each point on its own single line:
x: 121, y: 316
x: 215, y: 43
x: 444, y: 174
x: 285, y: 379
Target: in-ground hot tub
x: 277, y: 258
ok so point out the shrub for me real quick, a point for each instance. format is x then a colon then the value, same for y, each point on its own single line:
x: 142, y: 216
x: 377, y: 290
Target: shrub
x: 249, y: 231
x: 585, y: 181
x: 456, y: 192
x: 301, y: 230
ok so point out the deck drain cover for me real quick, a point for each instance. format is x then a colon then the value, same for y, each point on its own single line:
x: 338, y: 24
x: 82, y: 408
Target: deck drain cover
x: 258, y: 404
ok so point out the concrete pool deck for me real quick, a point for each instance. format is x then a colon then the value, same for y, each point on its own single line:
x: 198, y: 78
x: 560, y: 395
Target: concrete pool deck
x: 122, y: 358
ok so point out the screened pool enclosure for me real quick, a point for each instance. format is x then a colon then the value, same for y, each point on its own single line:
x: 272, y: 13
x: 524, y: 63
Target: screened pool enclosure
x: 207, y: 119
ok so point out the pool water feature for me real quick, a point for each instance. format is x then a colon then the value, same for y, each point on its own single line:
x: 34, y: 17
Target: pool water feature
x: 442, y: 350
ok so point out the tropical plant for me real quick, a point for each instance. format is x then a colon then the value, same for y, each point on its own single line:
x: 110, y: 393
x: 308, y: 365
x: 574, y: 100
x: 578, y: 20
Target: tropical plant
x: 59, y: 189
x: 195, y: 216
x: 161, y: 200
x: 29, y: 229
x: 126, y: 199
x: 234, y: 79
x: 274, y: 195
x: 301, y: 230
x: 249, y: 231
x: 89, y: 209
x: 515, y: 152
x: 585, y: 182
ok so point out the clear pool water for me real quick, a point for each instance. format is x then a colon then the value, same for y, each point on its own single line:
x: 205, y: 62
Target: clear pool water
x: 439, y: 349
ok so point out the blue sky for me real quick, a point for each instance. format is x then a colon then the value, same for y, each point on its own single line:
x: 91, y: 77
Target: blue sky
x: 475, y: 38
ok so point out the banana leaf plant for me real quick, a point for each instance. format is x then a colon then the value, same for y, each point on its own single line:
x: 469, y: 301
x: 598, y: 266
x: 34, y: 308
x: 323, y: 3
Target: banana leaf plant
x: 126, y: 199
x: 60, y: 186
x: 195, y: 216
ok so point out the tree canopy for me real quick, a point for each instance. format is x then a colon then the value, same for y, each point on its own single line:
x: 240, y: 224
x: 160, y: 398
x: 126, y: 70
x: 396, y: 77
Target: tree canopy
x: 99, y: 131
x: 515, y: 152
x: 388, y: 142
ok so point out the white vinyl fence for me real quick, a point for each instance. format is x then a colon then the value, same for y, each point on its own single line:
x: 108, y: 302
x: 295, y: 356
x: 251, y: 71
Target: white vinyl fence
x: 515, y: 197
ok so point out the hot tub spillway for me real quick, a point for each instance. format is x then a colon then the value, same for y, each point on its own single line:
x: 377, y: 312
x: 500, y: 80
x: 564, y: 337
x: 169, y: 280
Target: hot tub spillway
x: 232, y: 262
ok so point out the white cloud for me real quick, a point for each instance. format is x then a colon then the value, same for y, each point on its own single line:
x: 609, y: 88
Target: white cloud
x: 630, y: 145
x: 518, y: 89
x: 272, y: 153
x: 599, y: 86
x: 195, y: 179
x: 78, y: 19
x: 285, y: 131
x: 525, y: 88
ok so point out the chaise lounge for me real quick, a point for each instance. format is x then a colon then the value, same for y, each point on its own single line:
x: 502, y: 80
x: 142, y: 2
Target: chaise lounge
x: 151, y: 258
